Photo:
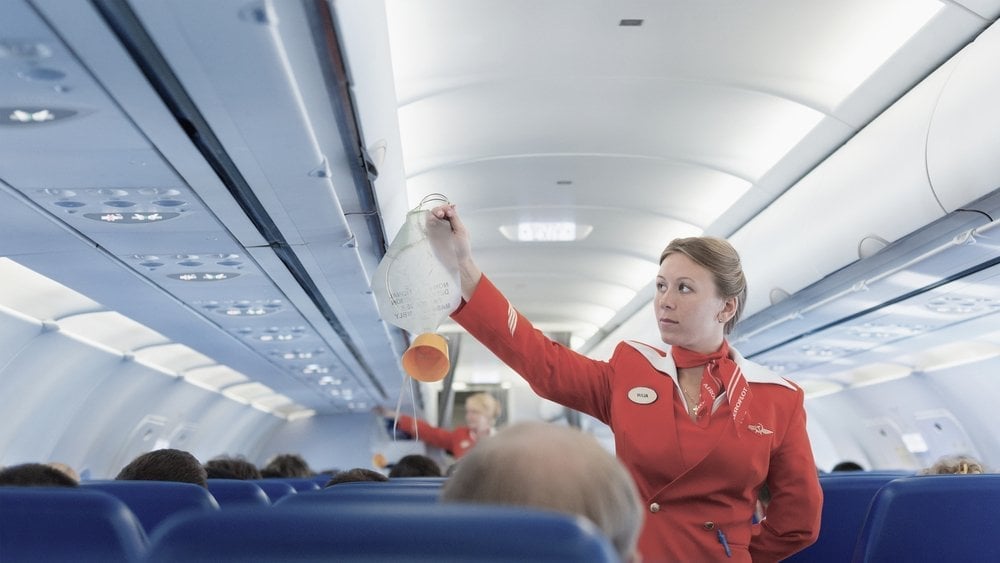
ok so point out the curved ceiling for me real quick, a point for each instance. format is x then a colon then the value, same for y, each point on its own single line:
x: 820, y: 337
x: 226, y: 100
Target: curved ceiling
x: 208, y: 169
x: 644, y: 120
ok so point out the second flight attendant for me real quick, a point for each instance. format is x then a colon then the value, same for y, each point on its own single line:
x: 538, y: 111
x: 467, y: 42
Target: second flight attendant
x: 481, y: 413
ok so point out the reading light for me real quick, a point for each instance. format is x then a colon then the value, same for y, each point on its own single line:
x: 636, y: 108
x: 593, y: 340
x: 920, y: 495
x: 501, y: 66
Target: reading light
x: 133, y: 206
x: 203, y: 276
x: 244, y: 308
x: 22, y: 116
x: 29, y: 116
x: 126, y: 218
x: 559, y: 231
x: 298, y: 354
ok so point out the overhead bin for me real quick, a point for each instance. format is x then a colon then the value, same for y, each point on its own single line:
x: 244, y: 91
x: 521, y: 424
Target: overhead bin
x: 936, y: 150
x: 964, y: 137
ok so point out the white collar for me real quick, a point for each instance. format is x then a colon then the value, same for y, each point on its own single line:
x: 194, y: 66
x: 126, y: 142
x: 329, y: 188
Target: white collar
x: 663, y: 361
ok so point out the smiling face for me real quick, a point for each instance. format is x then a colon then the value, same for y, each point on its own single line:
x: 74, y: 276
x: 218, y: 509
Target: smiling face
x: 689, y: 311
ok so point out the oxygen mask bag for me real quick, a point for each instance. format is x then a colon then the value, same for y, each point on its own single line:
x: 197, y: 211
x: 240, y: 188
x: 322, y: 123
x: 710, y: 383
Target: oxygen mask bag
x: 416, y: 287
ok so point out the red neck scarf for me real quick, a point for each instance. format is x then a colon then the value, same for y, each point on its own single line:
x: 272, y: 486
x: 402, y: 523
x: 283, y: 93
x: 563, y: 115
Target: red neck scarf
x: 721, y: 373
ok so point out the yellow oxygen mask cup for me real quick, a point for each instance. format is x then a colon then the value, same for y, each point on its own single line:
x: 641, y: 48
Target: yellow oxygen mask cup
x: 416, y: 287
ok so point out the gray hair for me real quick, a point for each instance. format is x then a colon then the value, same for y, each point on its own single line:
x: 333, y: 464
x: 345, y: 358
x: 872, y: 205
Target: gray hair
x: 552, y: 467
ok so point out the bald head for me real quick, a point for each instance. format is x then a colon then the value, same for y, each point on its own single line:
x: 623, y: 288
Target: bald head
x: 556, y: 468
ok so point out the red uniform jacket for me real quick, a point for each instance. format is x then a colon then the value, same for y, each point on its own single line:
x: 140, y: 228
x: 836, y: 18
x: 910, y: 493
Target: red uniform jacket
x: 457, y: 441
x: 699, y: 485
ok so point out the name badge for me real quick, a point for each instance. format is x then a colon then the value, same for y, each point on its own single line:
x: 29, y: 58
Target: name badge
x: 641, y: 395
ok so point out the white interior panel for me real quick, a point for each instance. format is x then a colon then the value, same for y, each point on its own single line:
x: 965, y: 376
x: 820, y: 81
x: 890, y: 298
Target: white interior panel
x: 844, y: 200
x: 964, y: 137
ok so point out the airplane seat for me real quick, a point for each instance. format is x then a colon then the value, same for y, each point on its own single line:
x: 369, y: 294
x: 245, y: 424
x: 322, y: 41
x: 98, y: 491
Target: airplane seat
x: 393, y: 484
x: 321, y: 479
x: 931, y: 518
x: 154, y: 501
x: 67, y: 524
x: 275, y: 489
x: 367, y: 532
x: 846, y: 498
x: 366, y: 492
x: 886, y: 472
x: 237, y: 493
x: 301, y: 484
x: 433, y: 481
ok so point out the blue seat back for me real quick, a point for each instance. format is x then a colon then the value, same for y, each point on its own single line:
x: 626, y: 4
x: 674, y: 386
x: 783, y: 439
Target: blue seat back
x: 236, y: 493
x: 933, y: 518
x: 301, y: 484
x: 320, y: 479
x: 67, y: 524
x: 365, y: 492
x: 895, y: 473
x: 846, y: 499
x: 154, y: 501
x: 380, y: 486
x: 432, y: 481
x: 275, y: 489
x: 408, y: 533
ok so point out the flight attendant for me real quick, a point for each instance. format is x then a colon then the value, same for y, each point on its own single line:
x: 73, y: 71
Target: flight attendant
x: 699, y: 427
x: 481, y: 413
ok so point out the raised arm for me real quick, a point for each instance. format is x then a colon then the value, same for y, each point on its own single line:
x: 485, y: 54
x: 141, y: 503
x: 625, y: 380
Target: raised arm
x: 419, y: 429
x: 470, y: 273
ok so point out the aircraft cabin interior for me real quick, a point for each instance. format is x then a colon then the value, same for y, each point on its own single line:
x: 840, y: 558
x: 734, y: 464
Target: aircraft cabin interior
x: 194, y: 196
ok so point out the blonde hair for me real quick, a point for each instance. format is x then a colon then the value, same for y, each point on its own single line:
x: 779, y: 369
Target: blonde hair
x: 484, y: 402
x: 541, y: 465
x: 955, y: 465
x: 722, y: 261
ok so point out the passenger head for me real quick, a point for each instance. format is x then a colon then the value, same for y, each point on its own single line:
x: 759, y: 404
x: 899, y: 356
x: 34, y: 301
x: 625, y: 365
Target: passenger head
x: 355, y: 475
x: 721, y: 261
x: 481, y: 412
x: 69, y: 471
x: 35, y: 475
x: 225, y: 467
x: 848, y: 466
x: 288, y: 465
x: 415, y: 465
x: 165, y: 465
x: 551, y: 467
x: 955, y: 465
